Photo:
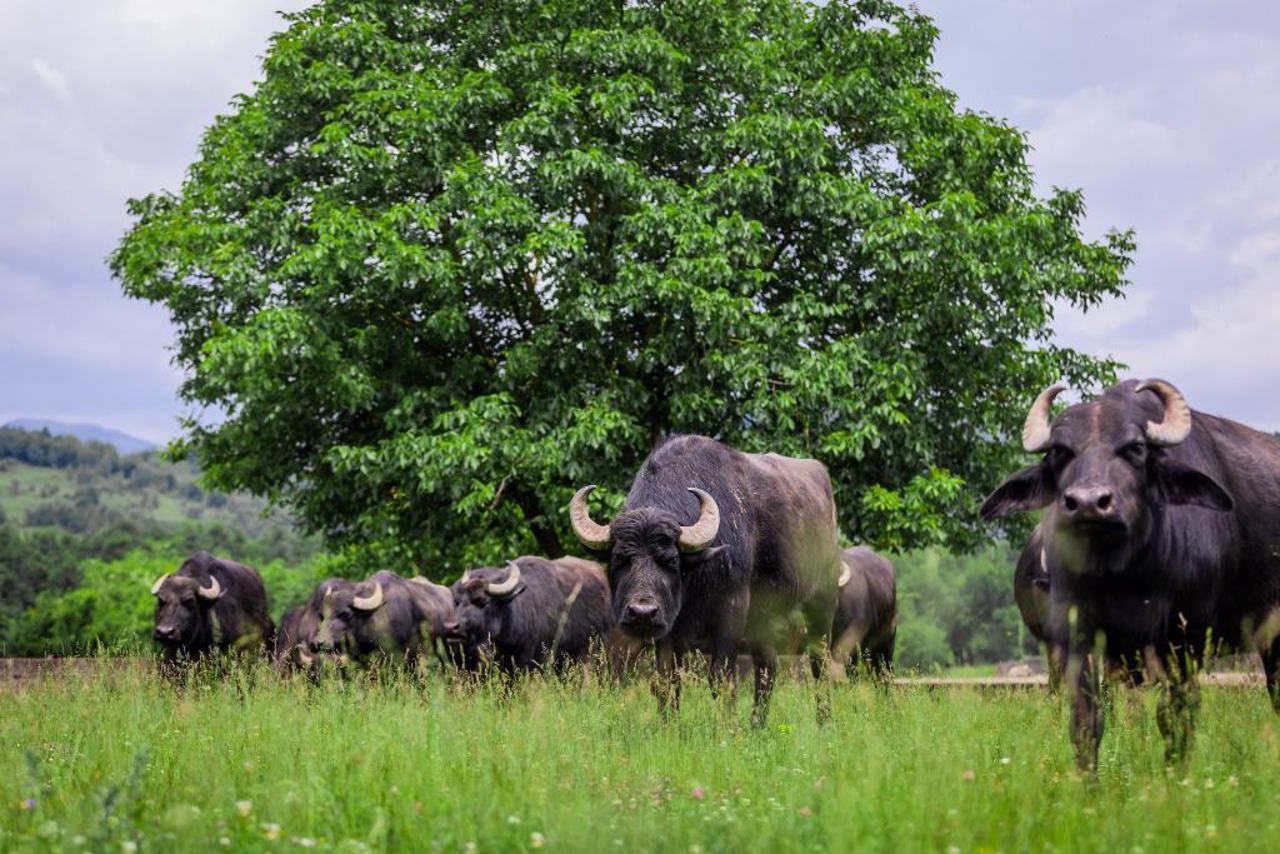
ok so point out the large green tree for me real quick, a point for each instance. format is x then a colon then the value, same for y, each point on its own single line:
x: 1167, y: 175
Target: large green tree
x: 449, y: 260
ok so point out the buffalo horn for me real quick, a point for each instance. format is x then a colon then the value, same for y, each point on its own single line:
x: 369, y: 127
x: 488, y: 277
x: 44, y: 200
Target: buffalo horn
x: 369, y: 603
x: 699, y: 535
x: 846, y: 573
x: 504, y: 588
x: 1035, y: 432
x: 593, y: 536
x: 1176, y: 425
x: 155, y: 588
x: 213, y: 591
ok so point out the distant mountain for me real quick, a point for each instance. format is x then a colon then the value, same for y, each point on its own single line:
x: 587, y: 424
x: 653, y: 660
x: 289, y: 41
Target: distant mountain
x: 123, y: 442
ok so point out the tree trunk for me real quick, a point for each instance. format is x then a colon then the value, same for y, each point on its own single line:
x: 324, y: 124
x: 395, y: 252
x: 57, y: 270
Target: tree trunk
x: 542, y: 527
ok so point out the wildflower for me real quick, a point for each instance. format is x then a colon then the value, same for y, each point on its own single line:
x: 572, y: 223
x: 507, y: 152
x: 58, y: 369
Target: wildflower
x: 536, y: 839
x: 128, y: 846
x: 1232, y: 781
x: 304, y: 842
x: 271, y: 831
x: 969, y: 775
x: 1208, y: 784
x: 695, y: 849
x: 805, y: 811
x: 224, y: 841
x: 953, y: 849
x: 1005, y: 760
x: 244, y: 808
x: 470, y: 848
x: 1211, y: 830
x: 698, y: 793
x: 28, y: 805
x: 513, y: 819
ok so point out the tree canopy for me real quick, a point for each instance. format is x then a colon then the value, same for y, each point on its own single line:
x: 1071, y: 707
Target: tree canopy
x: 449, y: 260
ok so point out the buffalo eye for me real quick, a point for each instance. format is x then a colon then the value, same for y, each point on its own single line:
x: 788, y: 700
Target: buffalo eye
x: 1060, y: 454
x: 1136, y: 452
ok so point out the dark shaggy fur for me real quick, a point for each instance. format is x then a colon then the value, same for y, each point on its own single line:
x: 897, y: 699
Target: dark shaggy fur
x: 1031, y: 594
x: 866, y: 621
x: 187, y: 626
x: 412, y: 614
x: 1184, y: 552
x: 556, y: 612
x: 766, y: 584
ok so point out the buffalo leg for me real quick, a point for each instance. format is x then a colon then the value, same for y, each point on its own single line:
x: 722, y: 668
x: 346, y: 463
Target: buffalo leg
x: 820, y: 666
x: 1271, y: 665
x: 722, y: 672
x: 1087, y: 720
x: 1055, y: 664
x: 1176, y: 715
x: 666, y: 680
x: 766, y: 667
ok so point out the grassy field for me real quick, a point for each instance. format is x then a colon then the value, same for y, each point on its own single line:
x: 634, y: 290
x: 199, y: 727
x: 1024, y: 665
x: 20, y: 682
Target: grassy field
x: 123, y: 762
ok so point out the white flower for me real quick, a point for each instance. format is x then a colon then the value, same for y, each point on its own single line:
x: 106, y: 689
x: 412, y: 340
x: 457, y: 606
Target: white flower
x: 536, y: 840
x: 244, y: 807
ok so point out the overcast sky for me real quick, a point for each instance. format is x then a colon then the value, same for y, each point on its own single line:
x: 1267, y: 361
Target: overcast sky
x: 1166, y: 114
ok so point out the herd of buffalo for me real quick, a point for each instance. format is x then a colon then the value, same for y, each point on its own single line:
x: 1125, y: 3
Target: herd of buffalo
x: 1158, y: 547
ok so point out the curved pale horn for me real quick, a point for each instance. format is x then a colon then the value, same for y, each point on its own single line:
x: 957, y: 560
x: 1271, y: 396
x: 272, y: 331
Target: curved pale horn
x: 155, y: 588
x: 593, y: 536
x: 699, y: 535
x: 213, y: 591
x: 466, y: 576
x: 304, y: 658
x: 1176, y: 425
x: 504, y: 588
x: 846, y: 573
x: 369, y: 603
x: 1035, y: 431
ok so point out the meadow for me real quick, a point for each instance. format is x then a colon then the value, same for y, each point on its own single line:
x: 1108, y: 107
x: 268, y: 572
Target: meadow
x: 121, y: 761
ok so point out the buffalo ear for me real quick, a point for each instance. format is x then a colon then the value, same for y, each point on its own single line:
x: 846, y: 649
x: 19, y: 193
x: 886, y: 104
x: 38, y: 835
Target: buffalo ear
x: 692, y: 560
x: 1029, y: 489
x: 1181, y: 484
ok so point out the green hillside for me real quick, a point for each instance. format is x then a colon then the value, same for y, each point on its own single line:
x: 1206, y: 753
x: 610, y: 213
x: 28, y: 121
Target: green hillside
x: 62, y: 483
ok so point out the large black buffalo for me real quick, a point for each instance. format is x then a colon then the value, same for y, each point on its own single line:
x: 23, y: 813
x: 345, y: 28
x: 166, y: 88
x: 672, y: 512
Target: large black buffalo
x: 210, y: 604
x: 722, y: 551
x: 384, y: 616
x: 1031, y: 594
x: 866, y: 620
x: 1161, y: 537
x: 531, y: 612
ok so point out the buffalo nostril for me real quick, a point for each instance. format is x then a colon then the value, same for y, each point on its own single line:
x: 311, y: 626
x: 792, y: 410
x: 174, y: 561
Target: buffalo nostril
x: 1104, y: 501
x: 637, y: 611
x: 1070, y: 503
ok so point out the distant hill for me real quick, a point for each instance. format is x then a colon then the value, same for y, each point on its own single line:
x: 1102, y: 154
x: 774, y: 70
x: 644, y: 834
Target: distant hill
x: 61, y: 482
x: 123, y: 442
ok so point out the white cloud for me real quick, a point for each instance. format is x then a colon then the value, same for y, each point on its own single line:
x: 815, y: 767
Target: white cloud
x: 52, y: 78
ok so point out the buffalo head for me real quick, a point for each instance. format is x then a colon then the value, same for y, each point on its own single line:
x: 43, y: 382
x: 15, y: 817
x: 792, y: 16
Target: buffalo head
x: 480, y: 600
x: 182, y: 608
x: 649, y: 552
x: 347, y: 612
x: 1106, y: 470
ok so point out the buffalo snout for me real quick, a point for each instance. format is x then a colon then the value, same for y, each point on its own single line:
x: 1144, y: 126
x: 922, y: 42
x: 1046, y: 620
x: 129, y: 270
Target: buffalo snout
x: 166, y: 633
x: 642, y: 618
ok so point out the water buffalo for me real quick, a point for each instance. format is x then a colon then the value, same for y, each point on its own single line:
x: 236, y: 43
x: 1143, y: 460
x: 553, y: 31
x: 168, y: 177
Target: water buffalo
x: 1031, y: 594
x: 210, y: 604
x: 721, y: 551
x: 385, y: 615
x: 866, y: 620
x: 1160, y: 535
x: 532, y: 612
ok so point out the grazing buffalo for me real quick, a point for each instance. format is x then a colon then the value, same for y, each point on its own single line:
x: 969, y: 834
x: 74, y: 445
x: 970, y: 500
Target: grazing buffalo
x: 296, y: 632
x: 1031, y: 593
x: 722, y: 551
x: 866, y: 620
x: 383, y: 616
x: 1161, y: 536
x: 531, y: 612
x: 210, y: 604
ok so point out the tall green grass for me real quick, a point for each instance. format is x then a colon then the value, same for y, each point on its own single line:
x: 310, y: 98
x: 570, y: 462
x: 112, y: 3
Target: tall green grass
x: 252, y: 762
